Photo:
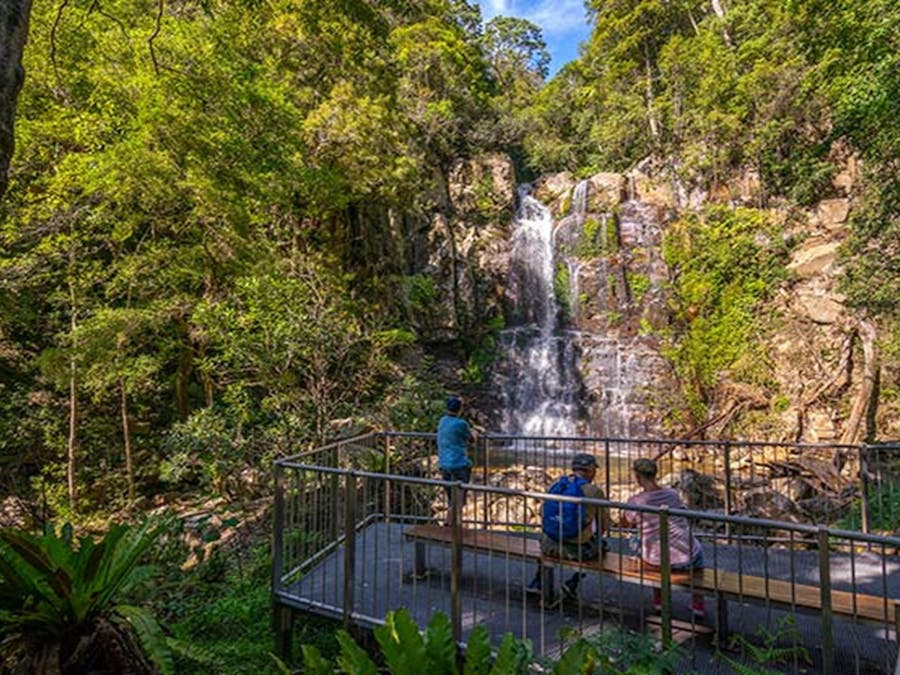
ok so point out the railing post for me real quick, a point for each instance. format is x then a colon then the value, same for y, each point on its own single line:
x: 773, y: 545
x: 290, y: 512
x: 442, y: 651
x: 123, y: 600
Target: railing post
x: 278, y: 531
x: 607, y: 463
x: 349, y: 544
x: 665, y: 570
x: 729, y: 506
x: 281, y: 616
x: 334, y: 488
x: 484, y: 442
x: 456, y: 560
x: 865, y: 507
x: 386, y: 483
x: 825, y: 590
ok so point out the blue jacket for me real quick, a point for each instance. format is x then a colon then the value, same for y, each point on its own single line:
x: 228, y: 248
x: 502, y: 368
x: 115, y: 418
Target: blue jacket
x: 453, y: 435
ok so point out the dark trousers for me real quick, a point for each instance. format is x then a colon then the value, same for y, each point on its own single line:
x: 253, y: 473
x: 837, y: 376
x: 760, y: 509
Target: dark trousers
x: 462, y: 474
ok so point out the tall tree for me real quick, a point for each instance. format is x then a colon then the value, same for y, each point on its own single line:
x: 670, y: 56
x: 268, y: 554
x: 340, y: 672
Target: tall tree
x: 14, y: 18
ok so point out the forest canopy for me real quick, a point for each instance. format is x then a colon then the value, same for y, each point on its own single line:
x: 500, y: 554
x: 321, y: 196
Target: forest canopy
x: 192, y: 179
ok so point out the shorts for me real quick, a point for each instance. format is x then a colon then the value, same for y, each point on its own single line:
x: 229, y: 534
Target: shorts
x: 574, y: 550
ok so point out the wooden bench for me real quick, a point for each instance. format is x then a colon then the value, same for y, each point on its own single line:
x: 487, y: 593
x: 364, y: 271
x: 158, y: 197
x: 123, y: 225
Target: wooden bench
x: 723, y: 585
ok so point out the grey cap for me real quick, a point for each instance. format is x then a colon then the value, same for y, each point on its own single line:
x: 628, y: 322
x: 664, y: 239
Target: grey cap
x: 584, y: 461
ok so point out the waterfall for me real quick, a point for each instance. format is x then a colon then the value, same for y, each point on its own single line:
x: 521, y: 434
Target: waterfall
x: 537, y: 372
x: 583, y: 367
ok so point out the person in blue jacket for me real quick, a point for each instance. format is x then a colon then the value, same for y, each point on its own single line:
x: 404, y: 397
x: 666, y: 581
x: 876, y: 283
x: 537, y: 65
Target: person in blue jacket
x: 453, y: 437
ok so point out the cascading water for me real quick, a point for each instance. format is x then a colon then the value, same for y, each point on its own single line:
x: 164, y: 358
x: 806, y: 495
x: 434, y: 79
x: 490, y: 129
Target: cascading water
x: 536, y: 373
x: 574, y: 360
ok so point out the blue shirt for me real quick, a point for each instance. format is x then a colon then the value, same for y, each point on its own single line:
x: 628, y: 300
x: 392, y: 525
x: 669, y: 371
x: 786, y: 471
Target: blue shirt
x: 453, y: 436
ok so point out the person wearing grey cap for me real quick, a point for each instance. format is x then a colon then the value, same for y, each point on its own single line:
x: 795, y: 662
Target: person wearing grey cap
x: 570, y: 530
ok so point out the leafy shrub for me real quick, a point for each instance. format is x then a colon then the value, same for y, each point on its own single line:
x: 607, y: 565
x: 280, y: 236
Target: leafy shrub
x: 726, y: 263
x: 406, y: 651
x: 62, y: 609
x: 770, y: 652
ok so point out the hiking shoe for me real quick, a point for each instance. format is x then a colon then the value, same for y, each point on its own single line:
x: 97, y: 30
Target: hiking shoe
x: 698, y: 608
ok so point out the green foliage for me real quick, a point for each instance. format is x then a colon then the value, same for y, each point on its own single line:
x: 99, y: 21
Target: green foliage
x: 230, y: 618
x: 639, y: 284
x: 612, y: 651
x: 481, y: 358
x: 174, y: 210
x: 406, y: 651
x: 561, y: 288
x: 53, y: 587
x: 884, y: 509
x: 769, y: 653
x: 727, y: 263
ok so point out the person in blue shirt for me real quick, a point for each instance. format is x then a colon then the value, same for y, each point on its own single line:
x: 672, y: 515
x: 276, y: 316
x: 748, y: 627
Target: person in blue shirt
x: 453, y: 437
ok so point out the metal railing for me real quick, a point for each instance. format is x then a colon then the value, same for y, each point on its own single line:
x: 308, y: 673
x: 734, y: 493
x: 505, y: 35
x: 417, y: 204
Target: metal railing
x: 855, y: 485
x: 343, y: 513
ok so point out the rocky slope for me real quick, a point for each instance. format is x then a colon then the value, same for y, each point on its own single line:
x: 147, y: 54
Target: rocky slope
x: 612, y: 287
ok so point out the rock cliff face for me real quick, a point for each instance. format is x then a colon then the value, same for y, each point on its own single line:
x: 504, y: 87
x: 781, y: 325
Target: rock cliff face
x: 610, y: 286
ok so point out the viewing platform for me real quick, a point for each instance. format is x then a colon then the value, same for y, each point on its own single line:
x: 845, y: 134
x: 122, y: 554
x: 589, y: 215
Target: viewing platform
x: 358, y: 532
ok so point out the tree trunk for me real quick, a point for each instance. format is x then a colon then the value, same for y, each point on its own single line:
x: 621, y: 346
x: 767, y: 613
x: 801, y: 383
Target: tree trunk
x: 719, y: 11
x: 867, y: 400
x: 185, y: 369
x: 654, y: 127
x: 73, y: 399
x: 14, y: 16
x: 126, y: 433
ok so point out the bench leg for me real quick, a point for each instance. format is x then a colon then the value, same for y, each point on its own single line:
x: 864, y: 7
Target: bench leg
x: 721, y: 621
x: 420, y: 564
x: 547, y: 589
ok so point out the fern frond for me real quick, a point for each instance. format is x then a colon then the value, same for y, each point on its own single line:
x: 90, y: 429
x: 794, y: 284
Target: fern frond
x: 150, y: 635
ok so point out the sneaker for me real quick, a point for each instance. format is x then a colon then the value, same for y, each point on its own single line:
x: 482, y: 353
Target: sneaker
x: 535, y: 587
x: 698, y: 608
x: 570, y: 588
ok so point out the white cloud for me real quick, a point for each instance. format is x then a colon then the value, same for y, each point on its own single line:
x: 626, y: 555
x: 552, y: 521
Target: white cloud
x: 553, y: 16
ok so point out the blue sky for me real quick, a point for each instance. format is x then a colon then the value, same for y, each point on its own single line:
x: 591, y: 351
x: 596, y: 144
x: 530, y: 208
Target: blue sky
x: 563, y: 23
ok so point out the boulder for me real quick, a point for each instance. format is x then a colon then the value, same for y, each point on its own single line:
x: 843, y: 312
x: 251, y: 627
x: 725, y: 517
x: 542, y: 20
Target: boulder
x: 698, y: 490
x: 770, y: 505
x: 813, y: 258
x: 548, y: 189
x: 794, y: 488
x: 814, y: 301
x: 832, y: 213
x: 607, y: 191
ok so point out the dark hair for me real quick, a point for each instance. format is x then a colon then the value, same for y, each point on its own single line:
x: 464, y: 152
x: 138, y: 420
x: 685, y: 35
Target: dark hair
x: 645, y: 467
x: 454, y: 404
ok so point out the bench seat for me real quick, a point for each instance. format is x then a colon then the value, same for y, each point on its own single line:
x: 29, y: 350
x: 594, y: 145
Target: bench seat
x: 720, y: 583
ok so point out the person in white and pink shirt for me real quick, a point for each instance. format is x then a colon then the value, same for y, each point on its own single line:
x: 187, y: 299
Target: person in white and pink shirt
x: 685, y: 552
